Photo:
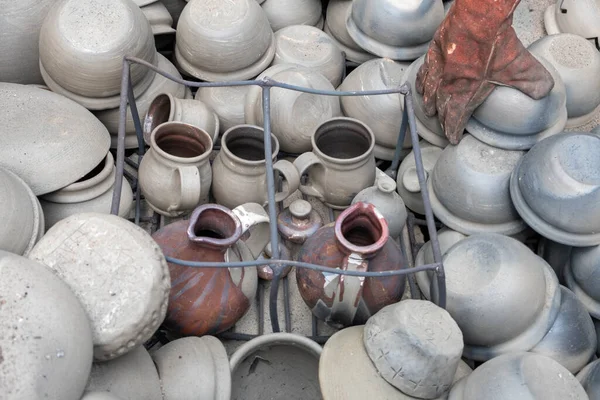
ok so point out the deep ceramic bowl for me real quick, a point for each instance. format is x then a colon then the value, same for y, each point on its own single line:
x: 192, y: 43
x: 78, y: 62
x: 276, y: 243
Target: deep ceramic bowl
x: 282, y: 13
x: 582, y: 274
x: 510, y: 119
x: 407, y: 181
x: 503, y: 297
x: 82, y: 45
x: 469, y: 188
x: 335, y: 26
x: 381, y: 113
x: 581, y: 17
x: 429, y: 128
x: 523, y: 376
x: 310, y: 47
x: 224, y: 40
x: 578, y: 63
x: 400, y: 30
x: 556, y: 188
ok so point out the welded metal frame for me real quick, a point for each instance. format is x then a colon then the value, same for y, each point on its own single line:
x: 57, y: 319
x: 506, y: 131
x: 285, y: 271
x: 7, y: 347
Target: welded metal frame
x: 438, y: 285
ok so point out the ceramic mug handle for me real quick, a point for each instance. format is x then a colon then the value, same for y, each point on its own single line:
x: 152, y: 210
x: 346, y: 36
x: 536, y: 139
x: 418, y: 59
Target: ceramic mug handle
x: 190, y: 187
x: 303, y: 163
x: 290, y: 174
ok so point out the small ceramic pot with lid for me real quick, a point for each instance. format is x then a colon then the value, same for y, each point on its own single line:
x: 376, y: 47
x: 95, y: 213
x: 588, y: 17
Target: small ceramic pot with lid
x: 469, y: 188
x: 510, y: 119
x: 523, y: 376
x: 581, y: 17
x: 297, y: 223
x: 284, y: 13
x: 561, y: 173
x: 381, y: 113
x: 335, y: 26
x: 290, y: 362
x: 294, y: 115
x: 82, y: 45
x: 205, y: 26
x: 397, y: 30
x: 578, y: 63
x: 310, y: 47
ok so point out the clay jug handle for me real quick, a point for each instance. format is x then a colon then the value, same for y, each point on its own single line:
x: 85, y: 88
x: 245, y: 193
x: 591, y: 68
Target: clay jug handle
x: 349, y: 291
x: 303, y: 163
x: 254, y: 219
x: 190, y: 186
x: 290, y: 174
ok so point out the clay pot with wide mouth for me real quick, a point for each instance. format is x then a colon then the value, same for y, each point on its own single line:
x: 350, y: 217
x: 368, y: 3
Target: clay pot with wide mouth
x: 357, y: 241
x: 279, y: 365
x: 341, y: 163
x: 168, y: 108
x: 175, y: 175
x: 207, y: 300
x: 239, y: 170
x: 92, y: 193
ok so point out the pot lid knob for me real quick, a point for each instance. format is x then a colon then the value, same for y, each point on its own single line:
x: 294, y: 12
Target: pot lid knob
x: 300, y: 208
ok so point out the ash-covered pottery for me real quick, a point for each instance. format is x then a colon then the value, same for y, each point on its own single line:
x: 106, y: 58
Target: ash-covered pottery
x: 284, y: 13
x: 393, y: 29
x: 561, y: 173
x: 82, y: 45
x: 357, y: 241
x: 580, y: 17
x: 582, y: 276
x: 335, y: 27
x: 227, y: 102
x: 224, y: 40
x: 383, y: 113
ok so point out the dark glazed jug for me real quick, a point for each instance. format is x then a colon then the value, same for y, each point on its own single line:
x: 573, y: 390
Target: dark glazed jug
x: 357, y: 241
x: 206, y: 301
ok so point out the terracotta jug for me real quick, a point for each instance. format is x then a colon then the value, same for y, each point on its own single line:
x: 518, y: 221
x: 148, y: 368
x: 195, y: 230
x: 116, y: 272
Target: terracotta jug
x: 207, y: 300
x: 357, y: 241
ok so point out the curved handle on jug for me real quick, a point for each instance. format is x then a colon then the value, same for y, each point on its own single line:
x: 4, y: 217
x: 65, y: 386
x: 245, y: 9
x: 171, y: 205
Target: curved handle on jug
x: 190, y: 186
x: 303, y: 164
x: 291, y: 175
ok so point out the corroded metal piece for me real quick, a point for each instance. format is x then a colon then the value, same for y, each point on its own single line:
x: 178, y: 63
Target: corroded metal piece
x: 359, y: 241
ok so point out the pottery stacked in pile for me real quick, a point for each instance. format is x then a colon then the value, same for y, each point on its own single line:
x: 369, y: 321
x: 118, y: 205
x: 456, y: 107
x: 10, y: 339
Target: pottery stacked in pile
x: 92, y: 309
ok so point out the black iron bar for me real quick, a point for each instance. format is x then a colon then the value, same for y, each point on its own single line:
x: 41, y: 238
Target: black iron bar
x: 116, y: 199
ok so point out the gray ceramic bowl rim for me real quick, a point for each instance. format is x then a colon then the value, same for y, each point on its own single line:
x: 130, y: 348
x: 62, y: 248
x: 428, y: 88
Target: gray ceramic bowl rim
x: 469, y: 227
x: 509, y: 141
x: 343, y: 161
x: 99, y: 103
x: 592, y: 305
x: 542, y: 227
x: 351, y: 54
x: 371, y: 45
x: 245, y: 73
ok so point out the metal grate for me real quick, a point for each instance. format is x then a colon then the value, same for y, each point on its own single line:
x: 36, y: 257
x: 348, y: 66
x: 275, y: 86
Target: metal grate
x: 438, y: 285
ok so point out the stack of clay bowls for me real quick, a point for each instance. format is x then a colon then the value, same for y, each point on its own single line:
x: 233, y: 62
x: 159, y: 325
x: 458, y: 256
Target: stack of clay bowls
x: 578, y: 17
x: 283, y: 13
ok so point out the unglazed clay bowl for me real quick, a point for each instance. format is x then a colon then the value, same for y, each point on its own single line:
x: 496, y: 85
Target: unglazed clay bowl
x: 429, y: 128
x: 46, y: 139
x: 381, y: 113
x: 583, y: 278
x: 277, y: 365
x: 45, y: 337
x: 589, y: 377
x: 194, y: 367
x: 503, y: 297
x: 572, y: 339
x: 310, y: 47
x: 561, y: 173
x: 510, y: 119
x: 335, y: 26
x: 523, y: 376
x: 294, y: 115
x: 400, y: 30
x: 469, y: 188
x: 160, y: 84
x: 129, y: 377
x: 581, y: 17
x: 82, y: 45
x: 555, y: 254
x: 347, y: 373
x: 578, y: 63
x: 161, y: 22
x: 118, y: 273
x: 99, y: 396
x: 407, y: 181
x: 227, y: 102
x: 283, y: 13
x: 224, y: 40
x: 21, y: 215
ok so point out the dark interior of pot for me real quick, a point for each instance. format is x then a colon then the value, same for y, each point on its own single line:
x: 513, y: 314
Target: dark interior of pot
x: 343, y: 140
x: 158, y: 112
x: 181, y: 140
x: 215, y: 224
x: 247, y: 143
x: 361, y: 228
x: 97, y: 169
x: 278, y: 372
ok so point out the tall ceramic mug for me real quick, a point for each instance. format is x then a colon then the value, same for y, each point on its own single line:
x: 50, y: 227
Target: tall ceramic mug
x: 239, y: 170
x: 175, y: 174
x: 341, y: 163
